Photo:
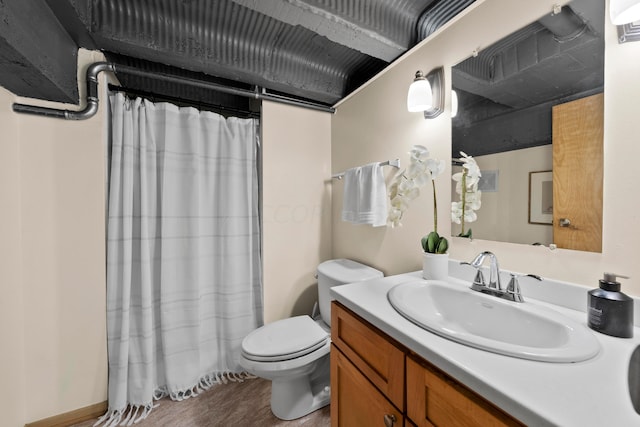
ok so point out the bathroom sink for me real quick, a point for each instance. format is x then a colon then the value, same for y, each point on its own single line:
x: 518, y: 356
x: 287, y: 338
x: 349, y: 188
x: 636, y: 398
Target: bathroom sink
x: 634, y: 379
x: 524, y: 330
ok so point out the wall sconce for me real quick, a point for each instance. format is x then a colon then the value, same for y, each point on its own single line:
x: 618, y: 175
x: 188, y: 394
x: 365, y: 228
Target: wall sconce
x: 426, y: 93
x: 624, y: 11
x: 454, y: 103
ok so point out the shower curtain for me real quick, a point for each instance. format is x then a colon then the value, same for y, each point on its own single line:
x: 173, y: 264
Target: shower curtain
x: 183, y: 252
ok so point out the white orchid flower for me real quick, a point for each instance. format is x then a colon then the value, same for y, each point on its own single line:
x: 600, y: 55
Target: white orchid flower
x: 395, y: 215
x: 422, y: 180
x: 472, y: 169
x: 416, y: 169
x: 473, y: 179
x: 470, y: 215
x: 405, y: 186
x: 456, y: 212
x: 419, y: 152
x: 436, y: 167
x: 464, y: 211
x: 408, y: 189
x: 400, y: 203
x: 474, y: 199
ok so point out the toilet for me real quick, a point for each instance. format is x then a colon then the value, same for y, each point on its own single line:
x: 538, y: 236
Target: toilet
x: 294, y: 353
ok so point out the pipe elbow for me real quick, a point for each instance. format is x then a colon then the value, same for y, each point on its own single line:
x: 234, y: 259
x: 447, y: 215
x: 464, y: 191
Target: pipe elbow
x: 97, y: 67
x: 89, y: 111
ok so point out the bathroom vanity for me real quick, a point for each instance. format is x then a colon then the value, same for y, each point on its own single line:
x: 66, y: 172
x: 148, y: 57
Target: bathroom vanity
x: 362, y: 356
x: 386, y: 370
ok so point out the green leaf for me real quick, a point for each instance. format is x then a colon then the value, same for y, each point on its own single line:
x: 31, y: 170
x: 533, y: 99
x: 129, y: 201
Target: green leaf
x: 467, y: 234
x: 423, y: 242
x: 433, y: 239
x: 443, y: 245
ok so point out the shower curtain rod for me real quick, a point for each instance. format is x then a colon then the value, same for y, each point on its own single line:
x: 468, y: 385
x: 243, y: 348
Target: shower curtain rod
x: 92, y: 93
x: 157, y: 97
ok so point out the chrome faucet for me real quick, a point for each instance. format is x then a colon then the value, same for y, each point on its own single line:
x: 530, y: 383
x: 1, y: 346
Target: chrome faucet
x: 494, y: 286
x: 494, y: 271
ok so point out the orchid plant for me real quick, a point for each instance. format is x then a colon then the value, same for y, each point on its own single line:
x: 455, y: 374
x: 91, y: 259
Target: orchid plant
x: 463, y: 212
x: 406, y: 187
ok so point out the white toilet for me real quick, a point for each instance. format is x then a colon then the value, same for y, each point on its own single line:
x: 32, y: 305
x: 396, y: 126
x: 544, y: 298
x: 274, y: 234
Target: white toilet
x: 294, y: 353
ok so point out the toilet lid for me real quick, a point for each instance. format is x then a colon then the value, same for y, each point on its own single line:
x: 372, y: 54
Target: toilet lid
x: 284, y: 339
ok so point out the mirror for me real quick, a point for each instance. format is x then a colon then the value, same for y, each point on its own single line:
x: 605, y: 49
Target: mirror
x: 510, y: 104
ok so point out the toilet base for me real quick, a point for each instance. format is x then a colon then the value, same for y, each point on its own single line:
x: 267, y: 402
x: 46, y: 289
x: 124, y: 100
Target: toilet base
x: 295, y: 397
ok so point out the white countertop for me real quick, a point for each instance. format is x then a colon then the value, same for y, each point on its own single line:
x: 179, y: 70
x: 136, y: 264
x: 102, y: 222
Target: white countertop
x: 590, y: 393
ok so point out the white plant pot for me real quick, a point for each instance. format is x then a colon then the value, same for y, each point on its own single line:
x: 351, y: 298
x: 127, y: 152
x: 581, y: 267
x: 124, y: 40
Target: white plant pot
x: 435, y: 266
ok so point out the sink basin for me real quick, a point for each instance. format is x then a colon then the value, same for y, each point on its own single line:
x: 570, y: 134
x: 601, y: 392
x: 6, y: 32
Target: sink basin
x: 524, y: 330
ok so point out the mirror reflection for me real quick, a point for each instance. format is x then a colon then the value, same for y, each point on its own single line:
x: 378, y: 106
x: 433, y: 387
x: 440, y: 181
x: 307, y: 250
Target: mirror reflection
x: 530, y: 113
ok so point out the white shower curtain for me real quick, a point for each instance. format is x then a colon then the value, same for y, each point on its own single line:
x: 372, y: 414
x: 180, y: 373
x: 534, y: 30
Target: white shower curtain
x: 183, y: 252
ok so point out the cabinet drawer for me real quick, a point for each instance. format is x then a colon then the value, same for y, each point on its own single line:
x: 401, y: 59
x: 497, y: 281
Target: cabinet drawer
x: 434, y: 399
x: 355, y: 402
x: 370, y: 351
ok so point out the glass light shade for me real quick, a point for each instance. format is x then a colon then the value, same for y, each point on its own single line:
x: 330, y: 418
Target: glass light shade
x: 624, y: 11
x: 420, y: 97
x: 454, y: 103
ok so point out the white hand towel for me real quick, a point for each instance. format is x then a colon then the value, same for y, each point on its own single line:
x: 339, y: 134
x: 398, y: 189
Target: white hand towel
x: 350, y: 195
x: 365, y: 196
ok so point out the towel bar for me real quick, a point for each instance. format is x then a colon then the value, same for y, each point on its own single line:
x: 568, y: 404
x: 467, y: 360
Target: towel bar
x: 395, y: 163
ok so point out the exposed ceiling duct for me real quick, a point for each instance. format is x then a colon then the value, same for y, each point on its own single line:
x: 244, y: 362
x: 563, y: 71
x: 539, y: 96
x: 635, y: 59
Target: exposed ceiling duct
x: 513, y: 84
x: 316, y: 50
x: 438, y: 15
x: 534, y: 54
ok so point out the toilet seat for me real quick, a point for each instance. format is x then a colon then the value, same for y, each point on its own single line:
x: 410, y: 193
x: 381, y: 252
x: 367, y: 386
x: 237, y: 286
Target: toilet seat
x: 284, y: 340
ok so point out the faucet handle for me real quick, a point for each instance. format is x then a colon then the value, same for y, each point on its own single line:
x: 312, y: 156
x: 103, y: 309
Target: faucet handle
x: 513, y: 291
x: 478, y: 280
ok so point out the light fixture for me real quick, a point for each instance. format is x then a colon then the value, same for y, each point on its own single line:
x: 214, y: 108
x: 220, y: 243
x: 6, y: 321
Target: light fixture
x: 624, y: 11
x: 426, y: 94
x: 454, y: 103
x: 420, y: 97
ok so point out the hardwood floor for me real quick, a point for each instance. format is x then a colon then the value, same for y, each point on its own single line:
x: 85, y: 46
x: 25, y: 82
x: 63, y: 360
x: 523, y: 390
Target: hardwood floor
x: 244, y: 404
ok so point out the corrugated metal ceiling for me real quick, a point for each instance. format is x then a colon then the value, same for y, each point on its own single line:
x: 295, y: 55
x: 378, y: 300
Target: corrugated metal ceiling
x: 319, y: 50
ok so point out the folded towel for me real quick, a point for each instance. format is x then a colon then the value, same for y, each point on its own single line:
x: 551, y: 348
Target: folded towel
x: 365, y: 196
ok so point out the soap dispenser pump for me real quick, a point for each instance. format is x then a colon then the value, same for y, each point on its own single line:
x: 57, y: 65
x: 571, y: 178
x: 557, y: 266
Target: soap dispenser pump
x: 610, y: 311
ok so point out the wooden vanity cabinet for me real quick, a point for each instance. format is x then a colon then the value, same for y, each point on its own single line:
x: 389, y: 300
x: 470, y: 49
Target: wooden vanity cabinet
x: 367, y: 374
x: 435, y: 399
x: 375, y: 381
x: 355, y: 401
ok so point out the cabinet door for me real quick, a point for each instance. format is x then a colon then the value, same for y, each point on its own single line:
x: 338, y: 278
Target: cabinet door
x: 372, y: 352
x: 355, y: 402
x: 434, y: 399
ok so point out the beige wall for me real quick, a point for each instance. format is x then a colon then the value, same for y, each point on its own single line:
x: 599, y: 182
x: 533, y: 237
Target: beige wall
x: 12, y: 392
x: 296, y: 192
x: 61, y: 240
x: 63, y: 274
x: 505, y: 213
x: 373, y: 124
x: 53, y: 212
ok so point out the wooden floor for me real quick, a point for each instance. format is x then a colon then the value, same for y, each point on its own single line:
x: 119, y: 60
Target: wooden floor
x: 244, y: 404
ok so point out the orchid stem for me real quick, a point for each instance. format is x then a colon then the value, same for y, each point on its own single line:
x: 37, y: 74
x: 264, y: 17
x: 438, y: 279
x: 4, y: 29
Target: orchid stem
x: 464, y: 198
x: 435, y: 207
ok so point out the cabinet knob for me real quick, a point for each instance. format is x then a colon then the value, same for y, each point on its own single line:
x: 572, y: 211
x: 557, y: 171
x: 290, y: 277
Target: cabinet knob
x: 389, y: 420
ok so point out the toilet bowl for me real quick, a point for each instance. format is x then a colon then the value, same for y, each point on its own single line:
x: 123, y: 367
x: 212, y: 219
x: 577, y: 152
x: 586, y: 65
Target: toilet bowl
x: 294, y: 353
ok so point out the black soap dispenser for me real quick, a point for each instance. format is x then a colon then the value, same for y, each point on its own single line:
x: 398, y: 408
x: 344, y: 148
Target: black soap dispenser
x: 610, y: 311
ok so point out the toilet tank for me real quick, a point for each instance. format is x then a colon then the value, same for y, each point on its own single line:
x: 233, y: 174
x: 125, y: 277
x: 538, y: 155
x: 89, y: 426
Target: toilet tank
x: 338, y: 272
